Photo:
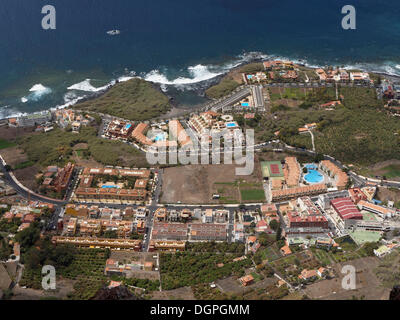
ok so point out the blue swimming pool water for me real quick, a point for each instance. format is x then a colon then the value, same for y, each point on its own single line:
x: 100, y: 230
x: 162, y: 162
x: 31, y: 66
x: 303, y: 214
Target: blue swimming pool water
x: 230, y: 125
x: 245, y: 104
x: 128, y: 126
x: 313, y: 176
x: 108, y: 187
x: 160, y: 137
x: 311, y: 166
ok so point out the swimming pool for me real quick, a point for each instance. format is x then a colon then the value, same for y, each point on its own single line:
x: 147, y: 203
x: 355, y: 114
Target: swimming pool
x: 128, y: 126
x: 245, y: 104
x: 311, y: 166
x: 231, y: 125
x: 160, y: 137
x: 313, y: 176
x: 108, y: 187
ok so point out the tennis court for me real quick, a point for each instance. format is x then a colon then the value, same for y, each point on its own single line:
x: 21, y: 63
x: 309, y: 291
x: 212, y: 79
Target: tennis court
x: 271, y: 169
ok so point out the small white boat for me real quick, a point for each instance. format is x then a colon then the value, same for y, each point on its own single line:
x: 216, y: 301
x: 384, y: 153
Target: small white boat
x: 113, y: 32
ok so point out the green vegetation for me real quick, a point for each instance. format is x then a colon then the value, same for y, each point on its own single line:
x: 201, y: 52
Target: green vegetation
x: 5, y: 249
x: 85, y: 266
x: 223, y: 88
x: 294, y: 93
x: 270, y: 253
x: 10, y: 226
x: 203, y: 291
x: 392, y: 171
x: 350, y: 251
x: 56, y: 148
x: 23, y: 165
x: 147, y: 284
x: 386, y: 272
x: 190, y: 268
x: 359, y: 132
x: 4, y: 144
x: 251, y: 67
x: 135, y: 99
x: 216, y: 247
x: 280, y: 107
x: 322, y: 256
x: 252, y: 194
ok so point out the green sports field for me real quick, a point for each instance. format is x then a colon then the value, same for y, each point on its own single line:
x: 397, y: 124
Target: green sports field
x: 361, y: 237
x: 368, y: 216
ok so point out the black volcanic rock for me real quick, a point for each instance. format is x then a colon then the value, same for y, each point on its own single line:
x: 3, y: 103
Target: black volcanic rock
x: 395, y: 293
x: 117, y: 293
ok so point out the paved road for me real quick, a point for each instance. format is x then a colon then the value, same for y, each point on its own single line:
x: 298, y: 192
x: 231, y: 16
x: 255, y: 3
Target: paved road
x: 152, y: 208
x: 259, y: 98
x: 236, y: 97
x: 23, y: 191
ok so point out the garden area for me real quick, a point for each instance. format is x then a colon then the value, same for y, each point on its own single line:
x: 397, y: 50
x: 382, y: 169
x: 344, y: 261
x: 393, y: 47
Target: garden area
x: 189, y: 268
x: 56, y: 148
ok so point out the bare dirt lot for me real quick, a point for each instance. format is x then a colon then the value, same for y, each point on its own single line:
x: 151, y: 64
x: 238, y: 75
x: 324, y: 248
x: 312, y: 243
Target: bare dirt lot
x: 385, y: 194
x: 13, y: 155
x: 197, y: 183
x: 139, y: 257
x: 184, y: 293
x: 63, y: 288
x: 10, y: 133
x: 368, y: 285
x: 388, y: 168
x: 27, y: 177
x: 232, y: 285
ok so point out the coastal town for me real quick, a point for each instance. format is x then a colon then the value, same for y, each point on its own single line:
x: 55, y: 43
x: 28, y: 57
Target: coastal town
x: 196, y: 230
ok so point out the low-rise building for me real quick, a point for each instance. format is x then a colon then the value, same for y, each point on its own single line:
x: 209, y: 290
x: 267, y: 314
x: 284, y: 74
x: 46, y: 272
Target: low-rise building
x: 93, y: 242
x: 346, y: 210
x: 291, y: 193
x: 167, y: 245
x: 383, y: 212
x: 341, y: 178
x: 208, y: 232
x: 169, y: 231
x: 246, y: 280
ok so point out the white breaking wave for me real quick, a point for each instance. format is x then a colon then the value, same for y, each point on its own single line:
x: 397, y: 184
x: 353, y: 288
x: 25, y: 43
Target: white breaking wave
x: 70, y: 99
x: 38, y: 88
x: 7, y: 112
x: 38, y: 91
x: 198, y: 76
x: 201, y: 73
x: 198, y: 73
x: 125, y: 78
x: 387, y: 67
x: 85, y: 85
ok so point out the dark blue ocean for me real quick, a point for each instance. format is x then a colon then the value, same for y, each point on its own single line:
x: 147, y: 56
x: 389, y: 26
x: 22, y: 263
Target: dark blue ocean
x: 178, y: 43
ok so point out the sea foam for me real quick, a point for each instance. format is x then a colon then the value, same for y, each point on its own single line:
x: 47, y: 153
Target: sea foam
x: 37, y: 92
x: 85, y: 85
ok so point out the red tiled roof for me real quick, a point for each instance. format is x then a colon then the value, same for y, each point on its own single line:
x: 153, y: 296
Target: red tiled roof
x: 346, y: 208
